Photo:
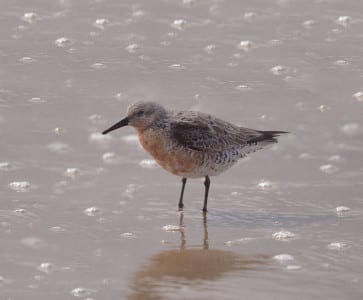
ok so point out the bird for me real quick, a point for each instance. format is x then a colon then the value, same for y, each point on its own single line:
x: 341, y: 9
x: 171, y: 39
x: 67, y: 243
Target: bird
x: 192, y: 144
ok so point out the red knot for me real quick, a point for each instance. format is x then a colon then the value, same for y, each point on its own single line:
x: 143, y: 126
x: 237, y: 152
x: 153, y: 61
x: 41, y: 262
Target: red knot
x: 192, y: 144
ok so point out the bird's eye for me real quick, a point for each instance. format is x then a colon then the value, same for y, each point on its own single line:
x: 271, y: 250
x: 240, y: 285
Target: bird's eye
x: 140, y: 113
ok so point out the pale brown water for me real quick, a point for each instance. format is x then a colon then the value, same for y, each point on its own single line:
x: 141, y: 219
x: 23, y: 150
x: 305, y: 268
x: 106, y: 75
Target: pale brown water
x: 95, y: 219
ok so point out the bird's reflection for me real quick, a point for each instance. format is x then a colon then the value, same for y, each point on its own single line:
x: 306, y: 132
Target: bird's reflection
x: 171, y: 270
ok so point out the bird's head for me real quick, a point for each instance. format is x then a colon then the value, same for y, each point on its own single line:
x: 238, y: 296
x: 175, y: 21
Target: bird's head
x: 140, y: 115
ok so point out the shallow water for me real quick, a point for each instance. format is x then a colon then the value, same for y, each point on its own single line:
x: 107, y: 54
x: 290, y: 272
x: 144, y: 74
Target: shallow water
x: 91, y: 216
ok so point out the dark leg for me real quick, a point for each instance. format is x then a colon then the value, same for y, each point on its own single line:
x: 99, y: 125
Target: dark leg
x: 206, y: 184
x: 184, y: 181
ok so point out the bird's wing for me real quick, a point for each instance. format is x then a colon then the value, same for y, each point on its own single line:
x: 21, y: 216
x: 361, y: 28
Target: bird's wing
x: 203, y: 132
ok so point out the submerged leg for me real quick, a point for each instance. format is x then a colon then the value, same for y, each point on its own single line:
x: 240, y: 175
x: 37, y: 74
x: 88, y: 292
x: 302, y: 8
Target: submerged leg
x: 184, y: 181
x: 206, y: 184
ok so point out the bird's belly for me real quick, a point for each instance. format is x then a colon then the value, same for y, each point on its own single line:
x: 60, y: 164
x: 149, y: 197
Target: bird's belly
x: 174, y: 159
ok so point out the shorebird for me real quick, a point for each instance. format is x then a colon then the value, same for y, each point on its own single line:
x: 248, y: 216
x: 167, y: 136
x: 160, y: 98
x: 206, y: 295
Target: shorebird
x: 192, y: 144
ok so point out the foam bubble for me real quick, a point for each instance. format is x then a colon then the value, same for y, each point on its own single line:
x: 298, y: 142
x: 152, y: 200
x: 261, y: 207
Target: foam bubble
x: 63, y: 42
x: 37, y: 100
x: 283, y: 235
x: 20, y: 186
x: 283, y: 258
x: 308, y: 23
x: 97, y: 119
x: 27, y: 60
x: 98, y: 66
x: 176, y: 67
x: 92, y: 211
x: 279, y: 70
x: 210, y: 48
x: 265, y: 184
x: 293, y: 267
x: 101, y: 23
x: 33, y: 242
x: 148, y: 163
x: 5, y: 166
x: 245, y: 45
x: 98, y: 137
x: 128, y: 235
x: 337, y: 246
x: 344, y: 20
x: 179, y: 24
x: 46, y: 267
x: 72, y: 172
x: 242, y: 87
x: 30, y: 17
x: 358, y: 96
x: 351, y: 129
x: 329, y: 169
x: 81, y: 292
x: 172, y: 228
x: 110, y: 157
x: 249, y: 16
x: 132, y: 48
x: 237, y: 241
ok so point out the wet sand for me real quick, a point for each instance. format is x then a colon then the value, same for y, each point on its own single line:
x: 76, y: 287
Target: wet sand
x: 93, y: 217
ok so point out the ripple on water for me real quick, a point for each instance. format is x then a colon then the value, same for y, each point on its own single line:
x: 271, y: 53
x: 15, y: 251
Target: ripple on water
x: 283, y: 235
x: 20, y: 186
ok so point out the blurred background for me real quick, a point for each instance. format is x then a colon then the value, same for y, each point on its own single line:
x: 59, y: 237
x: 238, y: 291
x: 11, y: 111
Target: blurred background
x: 91, y: 216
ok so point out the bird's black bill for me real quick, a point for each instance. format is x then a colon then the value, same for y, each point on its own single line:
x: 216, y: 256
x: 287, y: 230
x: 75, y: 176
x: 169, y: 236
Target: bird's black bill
x: 122, y: 123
